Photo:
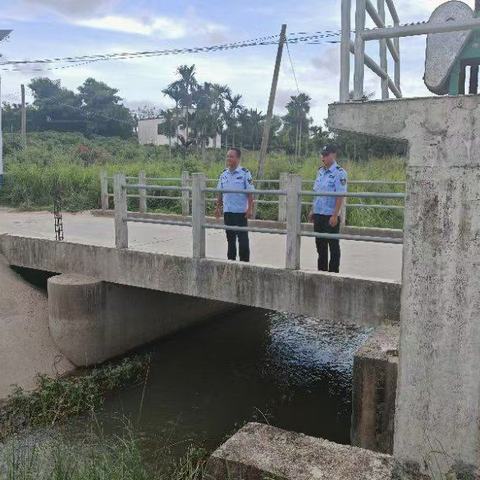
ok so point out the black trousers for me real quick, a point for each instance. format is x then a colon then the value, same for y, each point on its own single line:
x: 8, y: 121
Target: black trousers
x: 321, y: 225
x: 237, y: 220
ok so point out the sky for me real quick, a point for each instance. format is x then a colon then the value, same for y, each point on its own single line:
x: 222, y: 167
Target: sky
x: 57, y: 28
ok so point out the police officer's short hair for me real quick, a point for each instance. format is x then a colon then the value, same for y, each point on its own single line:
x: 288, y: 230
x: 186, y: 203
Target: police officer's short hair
x: 237, y: 151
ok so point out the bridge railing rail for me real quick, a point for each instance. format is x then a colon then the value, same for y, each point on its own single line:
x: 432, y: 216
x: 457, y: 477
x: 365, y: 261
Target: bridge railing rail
x: 185, y: 198
x: 293, y: 195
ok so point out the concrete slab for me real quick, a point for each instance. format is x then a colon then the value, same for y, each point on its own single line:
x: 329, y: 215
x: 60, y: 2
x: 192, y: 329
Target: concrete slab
x: 258, y: 452
x: 377, y: 261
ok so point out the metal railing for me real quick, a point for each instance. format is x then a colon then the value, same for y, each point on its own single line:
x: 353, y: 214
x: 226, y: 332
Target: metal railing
x: 292, y: 194
x: 185, y: 199
x: 357, y: 48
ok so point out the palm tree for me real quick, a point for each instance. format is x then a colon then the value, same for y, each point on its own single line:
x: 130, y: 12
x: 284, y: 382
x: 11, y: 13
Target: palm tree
x: 296, y: 118
x: 174, y: 92
x: 218, y: 93
x: 168, y: 127
x: 233, y: 109
x: 188, y: 85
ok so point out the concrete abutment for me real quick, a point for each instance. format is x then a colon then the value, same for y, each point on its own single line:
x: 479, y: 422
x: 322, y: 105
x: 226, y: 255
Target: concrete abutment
x: 438, y: 400
x: 92, y: 321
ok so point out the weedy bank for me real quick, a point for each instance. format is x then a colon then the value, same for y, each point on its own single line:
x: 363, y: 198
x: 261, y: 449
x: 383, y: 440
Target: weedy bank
x: 67, y: 166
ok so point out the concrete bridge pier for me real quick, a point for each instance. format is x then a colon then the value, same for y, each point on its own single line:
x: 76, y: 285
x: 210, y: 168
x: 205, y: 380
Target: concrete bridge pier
x: 438, y: 400
x: 92, y: 321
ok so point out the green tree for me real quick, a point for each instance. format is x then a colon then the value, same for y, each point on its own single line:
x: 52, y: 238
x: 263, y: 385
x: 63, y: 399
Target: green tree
x: 55, y: 107
x: 105, y: 114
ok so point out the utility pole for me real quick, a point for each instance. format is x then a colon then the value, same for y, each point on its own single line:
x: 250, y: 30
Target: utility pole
x: 271, y: 102
x: 24, y: 117
x: 3, y: 34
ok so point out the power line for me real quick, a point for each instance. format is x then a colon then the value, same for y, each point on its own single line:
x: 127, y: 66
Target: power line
x: 293, y: 68
x: 313, y: 38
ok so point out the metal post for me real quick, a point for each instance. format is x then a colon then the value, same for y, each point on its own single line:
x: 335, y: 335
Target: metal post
x: 199, y: 182
x: 120, y: 195
x: 359, y: 74
x: 104, y: 200
x: 383, y: 50
x: 294, y: 221
x: 282, y: 199
x: 345, y: 51
x: 185, y: 194
x: 396, y: 74
x: 24, y: 117
x: 142, y: 192
x: 1, y: 136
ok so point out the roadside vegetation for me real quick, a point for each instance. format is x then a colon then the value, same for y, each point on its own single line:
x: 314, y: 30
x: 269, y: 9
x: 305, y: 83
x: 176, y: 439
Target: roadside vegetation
x: 68, y: 165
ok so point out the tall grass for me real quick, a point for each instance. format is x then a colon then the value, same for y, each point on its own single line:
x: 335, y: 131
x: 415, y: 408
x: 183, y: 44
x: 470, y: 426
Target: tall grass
x: 69, y: 165
x: 94, y: 458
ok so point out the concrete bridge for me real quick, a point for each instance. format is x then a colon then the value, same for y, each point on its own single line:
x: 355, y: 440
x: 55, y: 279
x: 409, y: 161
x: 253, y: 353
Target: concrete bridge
x: 100, y: 277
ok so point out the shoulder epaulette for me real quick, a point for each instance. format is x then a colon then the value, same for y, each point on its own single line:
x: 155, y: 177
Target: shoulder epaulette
x: 245, y: 169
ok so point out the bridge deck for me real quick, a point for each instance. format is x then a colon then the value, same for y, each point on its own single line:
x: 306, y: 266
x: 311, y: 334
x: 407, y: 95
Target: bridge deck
x: 379, y: 261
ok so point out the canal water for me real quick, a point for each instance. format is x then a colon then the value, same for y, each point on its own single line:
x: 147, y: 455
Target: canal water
x: 252, y: 365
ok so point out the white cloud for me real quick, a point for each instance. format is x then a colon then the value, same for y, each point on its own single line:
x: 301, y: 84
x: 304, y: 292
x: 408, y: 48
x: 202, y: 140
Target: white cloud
x: 71, y: 8
x: 161, y: 26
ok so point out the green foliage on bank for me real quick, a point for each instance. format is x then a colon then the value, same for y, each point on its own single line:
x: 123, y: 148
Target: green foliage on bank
x: 56, y: 399
x: 69, y: 165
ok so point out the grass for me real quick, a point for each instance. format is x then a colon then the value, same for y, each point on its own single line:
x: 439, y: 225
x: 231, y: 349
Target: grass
x: 95, y: 458
x: 69, y: 165
x: 56, y: 399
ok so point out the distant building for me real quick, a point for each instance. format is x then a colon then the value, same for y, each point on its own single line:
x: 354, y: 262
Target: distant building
x: 148, y: 134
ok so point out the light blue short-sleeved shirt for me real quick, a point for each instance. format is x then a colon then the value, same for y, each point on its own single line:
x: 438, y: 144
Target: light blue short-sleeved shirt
x: 333, y: 179
x: 239, y: 179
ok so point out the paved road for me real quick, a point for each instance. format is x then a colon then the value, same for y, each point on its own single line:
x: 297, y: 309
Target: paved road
x: 381, y: 261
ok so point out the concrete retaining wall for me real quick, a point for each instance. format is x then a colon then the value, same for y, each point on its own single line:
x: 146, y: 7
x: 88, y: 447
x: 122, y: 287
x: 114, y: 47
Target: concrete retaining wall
x: 375, y: 369
x: 326, y: 296
x: 92, y: 321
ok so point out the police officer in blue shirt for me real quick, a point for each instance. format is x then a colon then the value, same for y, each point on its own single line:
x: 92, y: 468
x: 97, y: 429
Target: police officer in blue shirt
x: 325, y: 212
x: 237, y: 207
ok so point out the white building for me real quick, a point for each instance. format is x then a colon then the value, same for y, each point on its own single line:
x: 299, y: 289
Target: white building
x: 148, y: 134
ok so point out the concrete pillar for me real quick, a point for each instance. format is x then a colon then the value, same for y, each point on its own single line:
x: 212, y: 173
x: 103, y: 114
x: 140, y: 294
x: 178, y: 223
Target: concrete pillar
x: 120, y: 197
x: 282, y: 199
x: 294, y: 221
x: 186, y: 194
x: 198, y: 214
x: 142, y: 192
x: 438, y: 401
x: 104, y: 190
x: 374, y: 389
x: 75, y: 308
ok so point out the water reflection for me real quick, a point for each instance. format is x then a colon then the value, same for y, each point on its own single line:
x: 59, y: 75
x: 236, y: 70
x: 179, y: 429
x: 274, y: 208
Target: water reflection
x: 292, y: 372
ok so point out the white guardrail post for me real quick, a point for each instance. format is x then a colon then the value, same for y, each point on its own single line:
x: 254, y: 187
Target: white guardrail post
x: 343, y: 213
x: 199, y: 182
x: 185, y: 194
x: 104, y: 190
x: 294, y: 221
x: 282, y: 199
x: 120, y: 196
x: 142, y: 193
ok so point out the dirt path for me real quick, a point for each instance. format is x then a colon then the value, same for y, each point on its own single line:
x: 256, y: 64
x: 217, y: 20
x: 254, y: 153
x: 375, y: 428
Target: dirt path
x: 25, y: 344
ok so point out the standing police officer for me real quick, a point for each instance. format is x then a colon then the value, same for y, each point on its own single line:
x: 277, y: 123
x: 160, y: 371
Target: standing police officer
x: 325, y: 213
x: 237, y: 207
